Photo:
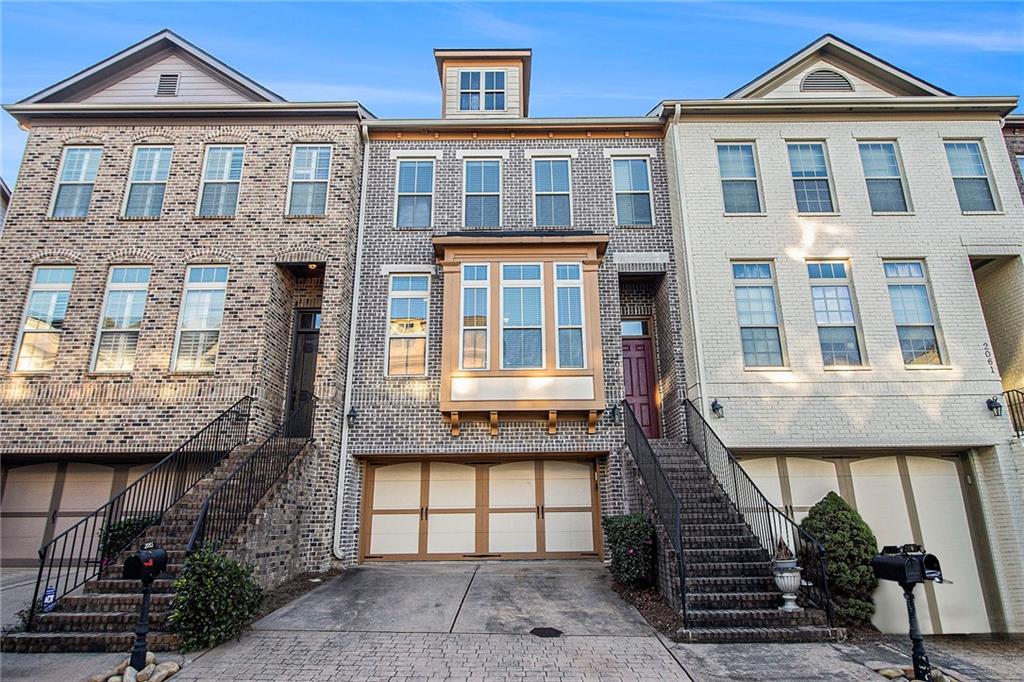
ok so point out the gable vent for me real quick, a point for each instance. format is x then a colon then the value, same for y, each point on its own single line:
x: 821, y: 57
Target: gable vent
x: 825, y: 80
x: 167, y: 86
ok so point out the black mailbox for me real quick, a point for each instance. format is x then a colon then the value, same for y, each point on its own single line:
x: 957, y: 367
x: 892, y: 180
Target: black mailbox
x: 906, y: 565
x: 145, y: 565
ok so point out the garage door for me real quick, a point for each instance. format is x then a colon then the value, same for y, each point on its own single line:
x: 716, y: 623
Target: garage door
x: 510, y: 510
x: 903, y: 499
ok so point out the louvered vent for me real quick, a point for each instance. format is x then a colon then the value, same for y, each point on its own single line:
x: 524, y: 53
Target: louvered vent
x: 167, y: 86
x: 825, y: 80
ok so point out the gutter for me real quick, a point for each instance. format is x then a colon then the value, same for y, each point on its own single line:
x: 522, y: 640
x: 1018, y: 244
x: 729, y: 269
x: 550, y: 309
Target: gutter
x: 339, y: 497
x: 688, y: 254
x: 998, y: 104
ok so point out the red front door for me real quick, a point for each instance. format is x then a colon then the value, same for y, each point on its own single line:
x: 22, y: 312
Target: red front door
x: 638, y: 374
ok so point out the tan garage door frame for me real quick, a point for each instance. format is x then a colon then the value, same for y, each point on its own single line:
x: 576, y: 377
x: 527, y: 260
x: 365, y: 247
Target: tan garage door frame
x: 972, y: 504
x: 481, y: 508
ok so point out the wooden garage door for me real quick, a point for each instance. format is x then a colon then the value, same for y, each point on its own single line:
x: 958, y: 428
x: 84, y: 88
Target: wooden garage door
x: 511, y: 510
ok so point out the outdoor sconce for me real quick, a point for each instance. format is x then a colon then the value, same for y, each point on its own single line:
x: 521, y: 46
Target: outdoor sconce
x: 352, y: 417
x: 994, y: 406
x: 614, y: 414
x: 717, y: 408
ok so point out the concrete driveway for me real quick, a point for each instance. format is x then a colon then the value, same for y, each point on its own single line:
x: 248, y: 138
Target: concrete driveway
x: 483, y: 598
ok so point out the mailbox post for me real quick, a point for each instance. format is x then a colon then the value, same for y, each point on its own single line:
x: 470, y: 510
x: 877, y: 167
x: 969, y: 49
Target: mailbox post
x: 144, y: 565
x: 909, y: 565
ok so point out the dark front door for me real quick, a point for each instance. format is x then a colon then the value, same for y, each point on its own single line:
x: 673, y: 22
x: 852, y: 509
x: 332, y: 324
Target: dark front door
x: 300, y: 389
x: 638, y: 374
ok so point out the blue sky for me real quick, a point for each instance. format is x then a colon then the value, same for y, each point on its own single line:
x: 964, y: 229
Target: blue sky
x: 589, y: 59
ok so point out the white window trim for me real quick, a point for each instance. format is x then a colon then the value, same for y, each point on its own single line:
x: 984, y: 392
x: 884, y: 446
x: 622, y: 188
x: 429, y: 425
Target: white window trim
x: 397, y: 154
x: 501, y: 187
x: 433, y: 187
x: 58, y: 182
x: 926, y: 280
x: 830, y: 178
x: 387, y: 324
x: 291, y: 178
x: 996, y: 203
x: 774, y: 284
x: 615, y: 192
x: 189, y: 286
x: 611, y: 152
x: 533, y: 172
x: 757, y: 178
x: 133, y: 286
x: 203, y: 181
x: 534, y: 153
x: 33, y: 287
x: 899, y: 166
x: 482, y: 154
x: 858, y: 328
x: 486, y: 286
x: 522, y: 283
x: 578, y: 284
x: 131, y: 172
x: 482, y: 91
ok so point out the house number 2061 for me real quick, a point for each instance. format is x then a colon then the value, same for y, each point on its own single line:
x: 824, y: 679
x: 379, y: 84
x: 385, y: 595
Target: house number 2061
x: 988, y: 358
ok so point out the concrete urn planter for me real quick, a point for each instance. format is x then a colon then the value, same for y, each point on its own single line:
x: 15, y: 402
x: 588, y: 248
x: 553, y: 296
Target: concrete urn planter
x: 787, y: 579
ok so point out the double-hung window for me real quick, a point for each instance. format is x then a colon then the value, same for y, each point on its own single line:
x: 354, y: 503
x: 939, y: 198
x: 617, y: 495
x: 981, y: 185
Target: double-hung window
x: 884, y: 177
x: 834, y: 313
x: 552, y: 202
x: 492, y: 94
x: 811, y: 181
x: 407, y: 324
x: 43, y: 322
x: 476, y: 296
x: 483, y: 193
x: 522, y: 315
x: 738, y: 169
x: 970, y: 176
x: 222, y: 175
x: 569, y: 315
x: 202, y: 311
x: 912, y: 309
x: 307, y: 185
x: 118, y: 338
x: 75, y: 181
x: 147, y: 182
x: 758, y: 314
x: 415, y: 193
x: 632, y: 183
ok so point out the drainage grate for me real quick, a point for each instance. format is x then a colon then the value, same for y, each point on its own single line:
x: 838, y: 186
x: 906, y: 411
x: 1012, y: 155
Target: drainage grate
x: 546, y: 632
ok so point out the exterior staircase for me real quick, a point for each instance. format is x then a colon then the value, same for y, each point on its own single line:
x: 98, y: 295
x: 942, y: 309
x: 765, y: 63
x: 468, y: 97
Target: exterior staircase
x: 101, y: 615
x: 729, y: 591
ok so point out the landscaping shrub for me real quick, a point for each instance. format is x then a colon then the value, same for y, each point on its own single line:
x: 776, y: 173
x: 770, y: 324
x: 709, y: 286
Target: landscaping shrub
x: 849, y: 546
x: 215, y: 599
x: 115, y: 536
x: 631, y: 546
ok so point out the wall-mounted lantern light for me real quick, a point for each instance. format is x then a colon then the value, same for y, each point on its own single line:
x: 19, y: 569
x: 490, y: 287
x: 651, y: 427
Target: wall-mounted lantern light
x: 352, y: 417
x: 717, y: 408
x: 994, y: 406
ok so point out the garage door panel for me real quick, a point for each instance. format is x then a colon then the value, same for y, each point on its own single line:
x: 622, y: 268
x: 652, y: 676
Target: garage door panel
x: 764, y: 472
x: 395, y: 534
x: 512, y: 532
x: 30, y: 488
x: 569, y: 531
x: 451, y: 533
x: 512, y: 485
x: 86, y: 487
x: 567, y: 484
x: 397, y: 486
x: 452, y: 486
x: 20, y: 537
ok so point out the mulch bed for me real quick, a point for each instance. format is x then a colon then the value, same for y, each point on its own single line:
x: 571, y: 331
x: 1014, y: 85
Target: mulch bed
x: 293, y: 589
x: 652, y: 607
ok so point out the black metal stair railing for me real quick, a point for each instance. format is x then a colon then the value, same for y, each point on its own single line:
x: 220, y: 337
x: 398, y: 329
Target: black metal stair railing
x: 667, y: 504
x: 230, y: 503
x: 1015, y: 406
x: 80, y: 553
x: 763, y: 518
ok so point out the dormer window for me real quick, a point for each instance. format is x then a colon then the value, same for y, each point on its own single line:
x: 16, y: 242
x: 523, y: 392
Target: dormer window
x: 825, y: 80
x: 167, y: 85
x: 492, y: 92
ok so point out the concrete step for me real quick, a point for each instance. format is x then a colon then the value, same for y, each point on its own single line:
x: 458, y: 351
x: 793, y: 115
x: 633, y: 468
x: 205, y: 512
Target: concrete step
x: 723, y: 635
x: 94, y: 621
x: 729, y: 583
x: 46, y: 642
x: 754, y: 617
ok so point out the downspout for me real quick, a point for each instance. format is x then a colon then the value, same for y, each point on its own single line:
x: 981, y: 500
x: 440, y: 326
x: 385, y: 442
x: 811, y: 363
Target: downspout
x: 688, y: 254
x: 353, y: 319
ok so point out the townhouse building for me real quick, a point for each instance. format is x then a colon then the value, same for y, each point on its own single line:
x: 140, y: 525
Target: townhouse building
x: 472, y: 337
x: 851, y: 238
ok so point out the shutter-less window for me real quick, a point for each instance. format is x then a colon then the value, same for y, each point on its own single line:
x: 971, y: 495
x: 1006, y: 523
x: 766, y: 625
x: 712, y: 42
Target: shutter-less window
x: 825, y: 80
x: 167, y: 85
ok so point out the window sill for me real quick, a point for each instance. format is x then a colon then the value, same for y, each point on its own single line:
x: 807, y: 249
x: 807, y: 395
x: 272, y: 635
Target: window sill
x: 28, y: 374
x: 926, y: 368
x: 213, y: 217
x: 637, y: 226
x: 784, y: 368
x: 191, y: 372
x: 744, y: 215
x: 108, y: 375
x: 67, y: 218
x: 138, y: 218
x: 414, y: 228
x: 305, y: 216
x: 893, y: 213
x: 853, y: 368
x: 819, y: 215
x: 982, y: 213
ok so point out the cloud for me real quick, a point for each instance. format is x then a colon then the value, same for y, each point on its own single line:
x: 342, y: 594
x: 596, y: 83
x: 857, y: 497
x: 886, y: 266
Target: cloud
x: 489, y: 25
x: 367, y: 94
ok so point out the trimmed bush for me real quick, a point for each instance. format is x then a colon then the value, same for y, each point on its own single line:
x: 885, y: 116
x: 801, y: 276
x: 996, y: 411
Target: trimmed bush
x: 215, y: 599
x: 631, y: 546
x: 849, y: 546
x: 115, y: 536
